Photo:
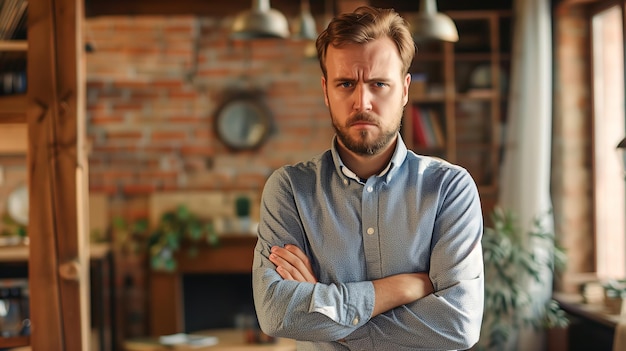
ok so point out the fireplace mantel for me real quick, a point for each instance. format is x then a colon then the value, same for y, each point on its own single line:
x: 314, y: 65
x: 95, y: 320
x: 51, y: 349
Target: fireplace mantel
x: 234, y: 254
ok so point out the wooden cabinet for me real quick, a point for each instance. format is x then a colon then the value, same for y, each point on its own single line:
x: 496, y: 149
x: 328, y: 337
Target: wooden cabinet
x: 458, y: 97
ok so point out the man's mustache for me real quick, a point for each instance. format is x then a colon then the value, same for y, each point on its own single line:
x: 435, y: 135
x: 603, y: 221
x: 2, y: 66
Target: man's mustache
x: 363, y: 117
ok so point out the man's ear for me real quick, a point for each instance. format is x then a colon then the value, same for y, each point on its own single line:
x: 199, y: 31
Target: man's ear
x: 325, y: 90
x: 405, y: 89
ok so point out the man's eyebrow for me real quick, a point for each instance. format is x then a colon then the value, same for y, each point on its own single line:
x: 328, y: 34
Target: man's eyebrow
x: 374, y: 79
x: 343, y: 79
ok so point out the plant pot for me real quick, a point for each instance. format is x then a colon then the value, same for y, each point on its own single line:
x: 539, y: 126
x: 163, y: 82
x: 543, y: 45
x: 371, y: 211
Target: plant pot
x: 615, y: 305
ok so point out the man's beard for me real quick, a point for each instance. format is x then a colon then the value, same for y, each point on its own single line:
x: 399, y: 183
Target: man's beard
x: 362, y: 145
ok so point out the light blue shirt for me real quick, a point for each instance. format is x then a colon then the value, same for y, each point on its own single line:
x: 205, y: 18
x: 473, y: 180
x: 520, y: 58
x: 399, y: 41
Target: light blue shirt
x: 421, y: 214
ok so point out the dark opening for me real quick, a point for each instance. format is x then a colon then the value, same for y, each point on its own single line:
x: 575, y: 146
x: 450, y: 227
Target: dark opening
x: 213, y: 301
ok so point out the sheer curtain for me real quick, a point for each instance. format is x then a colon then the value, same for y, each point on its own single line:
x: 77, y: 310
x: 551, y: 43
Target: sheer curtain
x: 525, y: 174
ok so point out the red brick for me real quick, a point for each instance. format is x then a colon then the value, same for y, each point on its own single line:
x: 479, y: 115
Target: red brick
x: 168, y: 135
x: 127, y: 135
x: 105, y: 120
x: 138, y: 189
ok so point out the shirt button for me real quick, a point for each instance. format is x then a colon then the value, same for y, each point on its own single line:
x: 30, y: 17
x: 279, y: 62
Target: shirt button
x: 370, y: 231
x: 370, y: 189
x: 345, y: 181
x: 355, y: 321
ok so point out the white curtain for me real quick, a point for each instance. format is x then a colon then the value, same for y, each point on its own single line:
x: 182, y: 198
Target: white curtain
x: 525, y: 174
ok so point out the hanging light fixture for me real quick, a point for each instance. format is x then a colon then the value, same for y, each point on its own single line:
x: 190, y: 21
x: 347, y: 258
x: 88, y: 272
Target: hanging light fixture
x: 304, y: 25
x: 432, y: 25
x: 261, y: 21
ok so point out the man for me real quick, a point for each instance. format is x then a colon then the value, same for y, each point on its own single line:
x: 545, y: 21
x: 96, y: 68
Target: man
x: 369, y: 246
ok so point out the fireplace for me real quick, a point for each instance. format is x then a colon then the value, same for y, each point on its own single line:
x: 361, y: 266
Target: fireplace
x: 215, y: 301
x: 210, y: 290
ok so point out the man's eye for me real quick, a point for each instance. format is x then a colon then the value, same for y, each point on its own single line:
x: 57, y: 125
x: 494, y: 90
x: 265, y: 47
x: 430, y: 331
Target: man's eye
x: 381, y: 84
x: 345, y: 84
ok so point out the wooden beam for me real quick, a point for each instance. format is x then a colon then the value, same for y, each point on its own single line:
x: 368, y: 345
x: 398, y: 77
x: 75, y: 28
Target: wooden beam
x: 58, y: 269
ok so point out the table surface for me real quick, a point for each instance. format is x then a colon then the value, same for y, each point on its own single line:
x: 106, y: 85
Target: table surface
x: 228, y: 339
x: 573, y: 303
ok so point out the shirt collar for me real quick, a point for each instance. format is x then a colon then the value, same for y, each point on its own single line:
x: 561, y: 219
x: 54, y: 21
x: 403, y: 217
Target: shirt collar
x: 392, y: 167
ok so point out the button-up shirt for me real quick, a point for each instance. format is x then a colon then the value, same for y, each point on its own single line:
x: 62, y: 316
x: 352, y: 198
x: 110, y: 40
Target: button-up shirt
x: 420, y: 214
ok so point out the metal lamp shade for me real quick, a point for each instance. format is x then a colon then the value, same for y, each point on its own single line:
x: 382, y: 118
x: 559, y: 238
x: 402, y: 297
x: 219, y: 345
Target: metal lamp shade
x: 305, y: 27
x: 260, y: 22
x: 432, y: 25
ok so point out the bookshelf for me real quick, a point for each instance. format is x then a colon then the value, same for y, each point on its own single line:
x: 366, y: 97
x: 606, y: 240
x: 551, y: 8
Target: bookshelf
x: 13, y: 55
x: 462, y: 87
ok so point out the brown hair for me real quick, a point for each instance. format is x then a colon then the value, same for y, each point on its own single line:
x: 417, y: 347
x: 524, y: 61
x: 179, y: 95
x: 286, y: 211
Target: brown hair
x: 364, y: 25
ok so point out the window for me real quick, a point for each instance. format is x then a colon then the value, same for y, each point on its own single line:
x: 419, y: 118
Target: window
x: 608, y: 129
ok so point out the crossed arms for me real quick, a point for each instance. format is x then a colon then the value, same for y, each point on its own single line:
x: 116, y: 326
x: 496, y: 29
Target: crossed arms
x: 391, y: 292
x: 311, y: 285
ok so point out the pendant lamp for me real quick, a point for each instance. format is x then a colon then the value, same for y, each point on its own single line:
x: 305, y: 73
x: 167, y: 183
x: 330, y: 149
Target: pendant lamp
x: 261, y: 21
x: 304, y: 25
x: 432, y: 25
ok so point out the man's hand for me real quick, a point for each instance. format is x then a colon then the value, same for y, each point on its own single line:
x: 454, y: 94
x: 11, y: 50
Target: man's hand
x: 292, y: 264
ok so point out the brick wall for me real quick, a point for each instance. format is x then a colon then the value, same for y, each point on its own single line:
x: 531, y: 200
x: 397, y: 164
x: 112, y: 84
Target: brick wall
x: 154, y: 86
x: 571, y: 161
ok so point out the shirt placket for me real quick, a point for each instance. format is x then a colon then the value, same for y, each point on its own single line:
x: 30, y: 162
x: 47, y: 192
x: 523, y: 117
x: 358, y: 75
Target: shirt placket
x: 370, y: 232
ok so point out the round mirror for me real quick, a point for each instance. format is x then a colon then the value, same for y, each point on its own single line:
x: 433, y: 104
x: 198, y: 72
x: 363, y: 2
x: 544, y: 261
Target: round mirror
x: 242, y: 123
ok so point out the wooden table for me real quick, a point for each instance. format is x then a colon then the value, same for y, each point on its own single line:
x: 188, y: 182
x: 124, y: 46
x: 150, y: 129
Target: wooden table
x: 229, y: 340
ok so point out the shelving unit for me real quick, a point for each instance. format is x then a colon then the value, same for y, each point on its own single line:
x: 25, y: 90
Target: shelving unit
x: 13, y: 129
x: 461, y: 89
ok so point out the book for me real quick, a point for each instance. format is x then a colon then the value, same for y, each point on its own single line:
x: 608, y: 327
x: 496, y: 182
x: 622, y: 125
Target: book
x: 419, y: 135
x: 435, y: 123
x: 429, y: 133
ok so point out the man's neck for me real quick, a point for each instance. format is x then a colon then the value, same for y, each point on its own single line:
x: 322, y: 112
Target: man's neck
x: 365, y: 166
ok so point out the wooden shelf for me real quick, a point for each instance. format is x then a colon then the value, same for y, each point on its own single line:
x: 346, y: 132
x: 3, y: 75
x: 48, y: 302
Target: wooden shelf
x: 13, y: 139
x: 18, y: 341
x: 14, y: 45
x: 13, y: 108
x: 20, y: 253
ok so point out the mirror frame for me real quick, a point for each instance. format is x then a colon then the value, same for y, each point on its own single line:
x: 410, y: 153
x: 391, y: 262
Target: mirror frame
x: 243, y: 122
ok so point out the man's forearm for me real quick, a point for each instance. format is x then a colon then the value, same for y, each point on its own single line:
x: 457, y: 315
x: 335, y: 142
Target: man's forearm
x: 400, y: 289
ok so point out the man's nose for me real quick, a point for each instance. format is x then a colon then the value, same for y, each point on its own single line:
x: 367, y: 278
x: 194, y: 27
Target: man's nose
x: 362, y: 98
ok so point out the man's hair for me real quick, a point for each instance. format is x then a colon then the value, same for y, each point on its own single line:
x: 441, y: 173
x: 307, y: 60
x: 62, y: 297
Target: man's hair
x: 364, y: 25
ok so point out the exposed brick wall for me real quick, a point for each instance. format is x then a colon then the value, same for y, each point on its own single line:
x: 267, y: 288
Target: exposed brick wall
x: 154, y: 86
x: 571, y: 161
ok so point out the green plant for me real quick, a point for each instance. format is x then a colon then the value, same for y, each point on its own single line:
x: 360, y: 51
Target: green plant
x: 513, y: 262
x: 12, y: 228
x: 174, y: 228
x: 615, y: 288
x: 130, y: 237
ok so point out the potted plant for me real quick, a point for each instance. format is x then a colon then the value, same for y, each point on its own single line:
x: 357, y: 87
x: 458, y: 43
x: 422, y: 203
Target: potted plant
x: 174, y: 228
x: 614, y: 296
x: 512, y: 265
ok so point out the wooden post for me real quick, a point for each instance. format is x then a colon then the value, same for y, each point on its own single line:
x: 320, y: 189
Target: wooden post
x: 57, y: 171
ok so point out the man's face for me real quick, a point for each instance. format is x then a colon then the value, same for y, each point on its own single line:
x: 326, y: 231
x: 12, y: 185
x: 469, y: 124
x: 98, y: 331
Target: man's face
x: 365, y: 91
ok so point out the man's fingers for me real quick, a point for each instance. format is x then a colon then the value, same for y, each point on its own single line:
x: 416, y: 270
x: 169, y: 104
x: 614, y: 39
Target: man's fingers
x: 286, y: 269
x: 292, y: 259
x: 298, y: 253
